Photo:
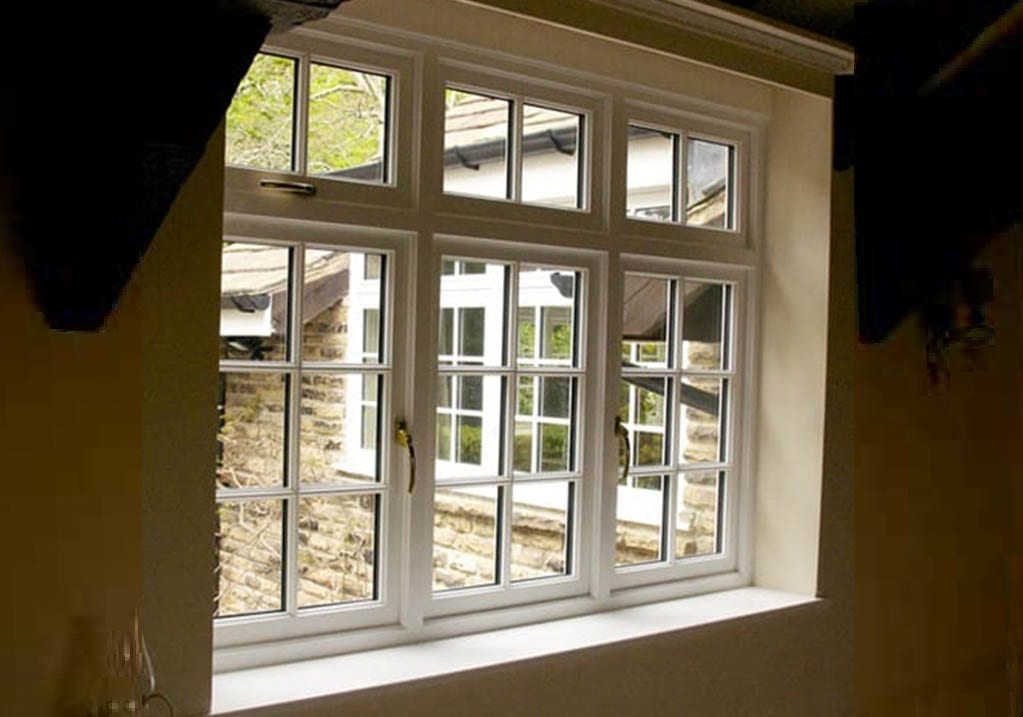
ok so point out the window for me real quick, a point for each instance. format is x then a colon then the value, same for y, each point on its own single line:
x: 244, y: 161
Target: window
x: 660, y: 181
x: 504, y: 337
x: 301, y: 487
x: 502, y: 517
x: 298, y: 115
x: 509, y: 149
x: 675, y: 403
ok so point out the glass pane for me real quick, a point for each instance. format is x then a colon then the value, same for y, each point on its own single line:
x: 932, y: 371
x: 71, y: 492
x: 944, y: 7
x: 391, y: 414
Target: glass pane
x: 446, y: 341
x: 465, y: 537
x: 444, y: 441
x: 701, y: 420
x: 698, y: 530
x: 254, y: 291
x: 250, y: 442
x: 469, y: 426
x: 347, y: 124
x: 705, y: 323
x: 370, y: 335
x: 543, y: 429
x: 476, y: 129
x: 551, y: 152
x: 472, y: 317
x: 650, y: 178
x: 555, y: 448
x: 546, y: 326
x: 337, y: 549
x: 261, y: 118
x: 642, y: 406
x: 709, y: 194
x: 640, y: 520
x: 540, y: 524
x: 646, y: 321
x: 373, y: 266
x: 338, y: 427
x: 250, y: 545
x: 341, y: 309
x: 471, y: 332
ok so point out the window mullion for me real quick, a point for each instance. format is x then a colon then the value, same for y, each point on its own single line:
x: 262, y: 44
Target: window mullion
x: 511, y: 400
x: 673, y: 411
x: 293, y: 453
x: 515, y: 131
x: 301, y: 139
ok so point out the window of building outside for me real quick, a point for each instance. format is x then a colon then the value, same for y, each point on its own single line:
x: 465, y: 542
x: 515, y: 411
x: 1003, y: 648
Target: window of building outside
x: 520, y: 347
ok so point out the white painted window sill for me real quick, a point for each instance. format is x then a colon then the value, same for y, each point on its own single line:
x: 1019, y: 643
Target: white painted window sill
x: 236, y: 692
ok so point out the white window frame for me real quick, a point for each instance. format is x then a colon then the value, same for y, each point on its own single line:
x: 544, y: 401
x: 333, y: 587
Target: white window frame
x: 736, y: 462
x: 488, y: 598
x: 246, y: 629
x: 685, y: 125
x: 417, y: 223
x: 520, y: 90
x: 243, y: 183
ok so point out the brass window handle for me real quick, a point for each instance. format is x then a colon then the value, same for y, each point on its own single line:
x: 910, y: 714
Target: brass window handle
x: 404, y: 438
x: 624, y: 449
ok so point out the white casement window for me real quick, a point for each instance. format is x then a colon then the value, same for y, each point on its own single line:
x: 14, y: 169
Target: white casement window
x: 498, y: 262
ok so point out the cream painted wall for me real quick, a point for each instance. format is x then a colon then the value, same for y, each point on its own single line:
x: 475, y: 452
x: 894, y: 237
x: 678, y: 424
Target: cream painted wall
x: 937, y: 471
x: 793, y: 342
x: 73, y: 414
x: 180, y: 280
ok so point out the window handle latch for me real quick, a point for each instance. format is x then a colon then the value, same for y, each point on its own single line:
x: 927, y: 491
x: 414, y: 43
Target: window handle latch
x: 281, y: 185
x: 624, y: 450
x: 404, y: 438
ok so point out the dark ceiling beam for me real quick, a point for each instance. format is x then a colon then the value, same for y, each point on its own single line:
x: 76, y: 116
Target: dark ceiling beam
x: 111, y: 113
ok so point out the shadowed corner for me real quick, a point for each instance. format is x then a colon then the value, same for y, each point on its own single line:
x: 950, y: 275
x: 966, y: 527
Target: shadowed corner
x: 80, y: 690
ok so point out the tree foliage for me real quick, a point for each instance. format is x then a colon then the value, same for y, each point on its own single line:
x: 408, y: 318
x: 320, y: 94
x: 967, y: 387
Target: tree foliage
x: 346, y: 112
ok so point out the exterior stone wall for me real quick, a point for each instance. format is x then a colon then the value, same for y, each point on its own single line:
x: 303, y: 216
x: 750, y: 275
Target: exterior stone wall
x: 337, y: 534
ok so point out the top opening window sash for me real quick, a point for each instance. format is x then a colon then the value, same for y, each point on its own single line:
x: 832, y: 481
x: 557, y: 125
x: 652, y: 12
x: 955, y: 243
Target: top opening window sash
x: 521, y: 91
x: 307, y: 47
x: 688, y: 126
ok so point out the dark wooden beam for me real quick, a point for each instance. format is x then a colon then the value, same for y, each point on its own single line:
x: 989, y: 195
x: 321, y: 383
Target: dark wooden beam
x: 108, y: 123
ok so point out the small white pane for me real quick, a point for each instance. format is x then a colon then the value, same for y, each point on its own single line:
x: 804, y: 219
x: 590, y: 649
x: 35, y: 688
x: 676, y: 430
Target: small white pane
x: 540, y: 525
x: 710, y: 191
x: 342, y: 310
x: 476, y: 129
x: 251, y: 437
x: 337, y: 549
x: 338, y: 428
x: 261, y: 118
x: 706, y: 319
x: 640, y: 520
x: 551, y: 153
x: 546, y: 316
x: 651, y: 175
x: 347, y: 124
x: 472, y: 314
x: 470, y: 421
x: 465, y: 537
x: 250, y: 547
x: 646, y: 321
x: 702, y: 419
x: 698, y: 524
x: 255, y: 289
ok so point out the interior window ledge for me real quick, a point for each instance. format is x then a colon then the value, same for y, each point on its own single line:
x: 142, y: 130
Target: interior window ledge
x: 246, y: 691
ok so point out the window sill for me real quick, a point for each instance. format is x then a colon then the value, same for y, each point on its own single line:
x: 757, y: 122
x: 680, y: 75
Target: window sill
x: 244, y: 690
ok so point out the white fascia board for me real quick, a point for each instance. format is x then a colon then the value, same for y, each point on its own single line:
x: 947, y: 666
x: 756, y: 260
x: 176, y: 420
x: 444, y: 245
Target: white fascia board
x: 796, y: 45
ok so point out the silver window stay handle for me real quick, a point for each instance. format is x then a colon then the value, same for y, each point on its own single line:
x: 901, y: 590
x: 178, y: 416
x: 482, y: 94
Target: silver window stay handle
x: 283, y: 185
